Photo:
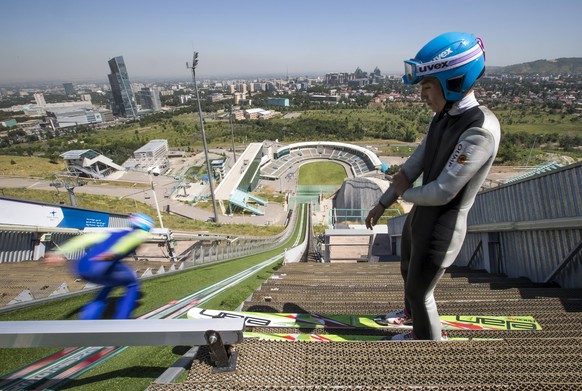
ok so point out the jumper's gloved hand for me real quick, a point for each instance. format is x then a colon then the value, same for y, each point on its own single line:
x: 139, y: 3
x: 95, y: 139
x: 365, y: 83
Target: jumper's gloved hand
x: 374, y: 215
x: 54, y: 259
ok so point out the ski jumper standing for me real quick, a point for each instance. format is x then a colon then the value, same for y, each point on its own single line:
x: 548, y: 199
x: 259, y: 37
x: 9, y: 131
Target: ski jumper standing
x: 101, y: 264
x: 453, y: 161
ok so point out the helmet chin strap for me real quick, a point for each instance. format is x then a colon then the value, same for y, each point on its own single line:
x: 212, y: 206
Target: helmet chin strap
x: 448, y: 106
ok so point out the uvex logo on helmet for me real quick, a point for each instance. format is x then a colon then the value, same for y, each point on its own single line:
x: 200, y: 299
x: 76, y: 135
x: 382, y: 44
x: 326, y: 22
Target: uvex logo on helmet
x: 432, y: 67
x: 443, y: 54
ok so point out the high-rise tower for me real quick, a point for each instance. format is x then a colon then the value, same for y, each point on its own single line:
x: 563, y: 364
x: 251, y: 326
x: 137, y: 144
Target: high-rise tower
x: 69, y: 89
x: 122, y: 102
x: 150, y: 98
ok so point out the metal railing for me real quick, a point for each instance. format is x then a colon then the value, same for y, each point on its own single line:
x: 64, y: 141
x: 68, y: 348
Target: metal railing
x: 24, y: 243
x: 357, y: 216
x: 226, y: 247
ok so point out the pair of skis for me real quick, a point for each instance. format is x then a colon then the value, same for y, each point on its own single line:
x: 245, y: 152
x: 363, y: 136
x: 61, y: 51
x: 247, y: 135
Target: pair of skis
x: 349, y: 322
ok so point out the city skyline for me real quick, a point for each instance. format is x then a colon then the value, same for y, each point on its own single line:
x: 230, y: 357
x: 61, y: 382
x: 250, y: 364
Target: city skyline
x: 72, y: 41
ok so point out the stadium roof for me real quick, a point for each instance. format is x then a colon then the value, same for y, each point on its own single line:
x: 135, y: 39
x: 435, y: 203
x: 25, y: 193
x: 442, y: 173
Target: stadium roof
x: 78, y: 154
x: 313, y: 144
x: 152, y: 146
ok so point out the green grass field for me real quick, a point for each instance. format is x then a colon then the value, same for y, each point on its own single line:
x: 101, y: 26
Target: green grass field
x: 29, y: 166
x: 322, y: 174
x: 539, y: 122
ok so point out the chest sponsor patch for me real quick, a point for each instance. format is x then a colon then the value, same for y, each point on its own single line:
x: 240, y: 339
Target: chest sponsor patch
x: 460, y: 156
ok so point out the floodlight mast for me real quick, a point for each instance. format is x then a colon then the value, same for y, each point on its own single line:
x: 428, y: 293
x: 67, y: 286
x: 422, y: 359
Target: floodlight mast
x: 232, y: 133
x: 208, y: 168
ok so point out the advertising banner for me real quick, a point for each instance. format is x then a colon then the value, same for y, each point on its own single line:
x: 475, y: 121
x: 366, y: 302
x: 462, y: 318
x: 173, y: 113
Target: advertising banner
x: 24, y: 213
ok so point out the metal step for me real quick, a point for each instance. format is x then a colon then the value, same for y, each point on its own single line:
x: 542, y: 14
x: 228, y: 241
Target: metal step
x: 548, y: 359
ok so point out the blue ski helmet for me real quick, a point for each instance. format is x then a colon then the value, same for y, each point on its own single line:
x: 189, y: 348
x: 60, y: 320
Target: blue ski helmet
x: 457, y: 60
x: 141, y: 221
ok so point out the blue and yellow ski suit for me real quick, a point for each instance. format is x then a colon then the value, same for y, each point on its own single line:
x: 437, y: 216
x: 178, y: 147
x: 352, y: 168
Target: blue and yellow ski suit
x: 101, y: 264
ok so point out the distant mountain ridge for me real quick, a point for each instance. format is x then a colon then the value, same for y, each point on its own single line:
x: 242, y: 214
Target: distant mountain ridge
x: 558, y: 66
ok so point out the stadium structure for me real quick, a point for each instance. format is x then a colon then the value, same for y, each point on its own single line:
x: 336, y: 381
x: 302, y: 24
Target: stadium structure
x: 361, y: 161
x: 272, y: 162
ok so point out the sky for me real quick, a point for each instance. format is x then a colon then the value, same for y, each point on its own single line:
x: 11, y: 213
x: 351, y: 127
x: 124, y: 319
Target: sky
x: 72, y: 40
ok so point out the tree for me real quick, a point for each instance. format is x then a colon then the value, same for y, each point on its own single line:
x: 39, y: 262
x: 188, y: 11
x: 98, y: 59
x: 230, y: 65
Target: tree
x: 409, y: 135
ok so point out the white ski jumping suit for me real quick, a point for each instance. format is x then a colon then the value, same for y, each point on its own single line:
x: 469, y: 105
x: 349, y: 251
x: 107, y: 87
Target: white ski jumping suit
x: 454, y: 159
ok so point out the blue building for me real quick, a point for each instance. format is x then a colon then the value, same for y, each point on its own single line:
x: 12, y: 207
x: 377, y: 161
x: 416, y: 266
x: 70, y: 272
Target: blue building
x: 9, y: 123
x: 150, y: 99
x: 122, y: 99
x: 278, y: 101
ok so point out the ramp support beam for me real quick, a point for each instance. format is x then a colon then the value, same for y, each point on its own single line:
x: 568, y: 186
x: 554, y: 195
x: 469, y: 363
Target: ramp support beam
x: 224, y: 357
x: 218, y: 334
